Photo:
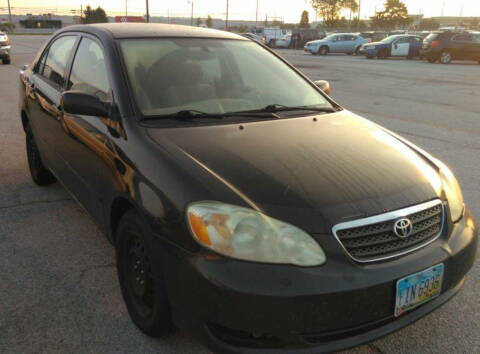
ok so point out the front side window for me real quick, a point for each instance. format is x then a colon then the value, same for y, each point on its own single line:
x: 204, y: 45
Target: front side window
x: 212, y: 76
x: 89, y: 72
x: 56, y: 60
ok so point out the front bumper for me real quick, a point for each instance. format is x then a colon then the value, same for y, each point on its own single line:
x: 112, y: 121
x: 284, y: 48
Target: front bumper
x: 5, y: 51
x: 235, y: 306
x: 372, y: 52
x: 308, y: 49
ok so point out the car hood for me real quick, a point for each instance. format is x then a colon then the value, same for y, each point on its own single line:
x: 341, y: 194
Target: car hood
x: 317, y: 41
x: 310, y: 173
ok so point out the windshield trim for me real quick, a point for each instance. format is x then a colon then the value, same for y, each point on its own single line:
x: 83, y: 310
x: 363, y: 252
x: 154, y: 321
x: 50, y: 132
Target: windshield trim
x: 140, y: 117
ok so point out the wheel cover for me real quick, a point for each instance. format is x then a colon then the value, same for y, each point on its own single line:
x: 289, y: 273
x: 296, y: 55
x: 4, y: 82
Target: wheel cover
x: 446, y: 57
x: 138, y: 276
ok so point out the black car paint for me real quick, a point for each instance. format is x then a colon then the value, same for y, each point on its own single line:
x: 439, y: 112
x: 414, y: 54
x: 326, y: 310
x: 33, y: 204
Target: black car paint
x: 280, y: 166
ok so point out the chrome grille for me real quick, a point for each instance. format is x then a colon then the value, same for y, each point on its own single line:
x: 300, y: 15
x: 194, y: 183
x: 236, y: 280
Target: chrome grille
x: 372, y: 239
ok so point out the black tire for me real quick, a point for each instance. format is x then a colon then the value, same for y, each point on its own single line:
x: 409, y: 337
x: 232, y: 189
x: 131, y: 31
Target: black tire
x: 271, y: 44
x: 445, y: 57
x: 431, y: 60
x: 142, y: 285
x: 369, y: 56
x: 323, y: 50
x: 40, y: 174
x: 6, y: 61
x: 382, y: 54
x: 349, y: 53
x: 357, y: 50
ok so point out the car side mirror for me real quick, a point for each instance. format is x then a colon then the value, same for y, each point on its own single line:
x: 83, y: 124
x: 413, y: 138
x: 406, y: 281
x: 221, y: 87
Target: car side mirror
x: 81, y: 103
x: 395, y: 45
x: 323, y: 85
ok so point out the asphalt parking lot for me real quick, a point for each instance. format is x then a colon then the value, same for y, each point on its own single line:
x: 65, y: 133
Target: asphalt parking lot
x: 58, y: 286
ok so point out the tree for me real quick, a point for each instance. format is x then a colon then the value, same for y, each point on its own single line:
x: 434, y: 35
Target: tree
x: 329, y: 10
x: 428, y: 24
x: 199, y: 22
x: 97, y: 15
x: 209, y: 21
x: 394, y: 15
x: 304, y: 20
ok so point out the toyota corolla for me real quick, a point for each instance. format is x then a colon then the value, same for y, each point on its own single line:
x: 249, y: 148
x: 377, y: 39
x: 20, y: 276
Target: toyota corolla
x: 244, y: 204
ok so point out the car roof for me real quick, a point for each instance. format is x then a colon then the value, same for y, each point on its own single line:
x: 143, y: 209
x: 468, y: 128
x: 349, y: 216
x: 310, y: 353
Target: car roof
x: 150, y: 30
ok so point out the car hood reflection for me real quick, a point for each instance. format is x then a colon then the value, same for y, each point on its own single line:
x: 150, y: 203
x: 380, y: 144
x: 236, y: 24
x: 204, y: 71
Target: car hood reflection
x: 338, y: 168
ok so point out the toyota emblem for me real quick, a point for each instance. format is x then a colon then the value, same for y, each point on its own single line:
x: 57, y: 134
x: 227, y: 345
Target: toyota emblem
x: 403, y: 227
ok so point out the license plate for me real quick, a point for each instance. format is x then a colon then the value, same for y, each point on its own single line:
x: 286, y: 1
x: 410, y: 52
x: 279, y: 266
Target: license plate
x: 418, y: 288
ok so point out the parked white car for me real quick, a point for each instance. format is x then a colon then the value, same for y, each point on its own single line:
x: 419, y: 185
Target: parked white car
x: 4, y: 48
x: 284, y: 42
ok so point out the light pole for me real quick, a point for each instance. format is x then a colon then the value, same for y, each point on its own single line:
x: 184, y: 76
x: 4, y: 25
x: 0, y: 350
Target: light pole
x: 191, y: 13
x: 126, y: 12
x: 148, y: 11
x: 256, y: 17
x: 9, y: 12
x: 226, y: 18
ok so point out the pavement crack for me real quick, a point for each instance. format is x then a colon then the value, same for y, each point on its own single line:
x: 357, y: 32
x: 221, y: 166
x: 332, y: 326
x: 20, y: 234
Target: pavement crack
x: 19, y: 205
x: 375, y: 348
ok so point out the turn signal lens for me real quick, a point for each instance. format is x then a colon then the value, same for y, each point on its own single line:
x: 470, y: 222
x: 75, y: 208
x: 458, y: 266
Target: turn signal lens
x: 434, y: 44
x: 246, y: 234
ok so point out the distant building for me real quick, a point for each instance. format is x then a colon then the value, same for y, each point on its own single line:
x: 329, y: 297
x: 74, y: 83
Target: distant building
x: 453, y: 21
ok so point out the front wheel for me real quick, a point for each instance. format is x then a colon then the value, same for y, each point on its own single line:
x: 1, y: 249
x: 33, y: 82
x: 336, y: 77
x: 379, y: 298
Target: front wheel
x: 323, y: 50
x: 142, y: 285
x: 40, y: 174
x: 6, y: 61
x: 382, y: 54
x: 357, y: 51
x: 431, y: 60
x: 446, y: 58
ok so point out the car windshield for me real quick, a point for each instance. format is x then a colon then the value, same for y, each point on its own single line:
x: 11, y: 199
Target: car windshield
x: 389, y: 39
x: 214, y: 76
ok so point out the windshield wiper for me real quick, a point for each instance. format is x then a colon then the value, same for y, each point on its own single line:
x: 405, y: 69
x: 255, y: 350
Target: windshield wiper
x: 282, y: 108
x: 191, y: 114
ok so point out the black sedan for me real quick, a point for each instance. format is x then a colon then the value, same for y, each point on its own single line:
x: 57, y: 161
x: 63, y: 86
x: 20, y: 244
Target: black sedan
x: 244, y: 204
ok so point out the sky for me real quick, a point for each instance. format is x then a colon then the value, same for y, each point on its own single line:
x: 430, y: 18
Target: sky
x: 287, y: 10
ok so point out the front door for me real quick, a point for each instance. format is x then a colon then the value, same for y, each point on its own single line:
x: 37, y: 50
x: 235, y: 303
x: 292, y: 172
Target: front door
x: 88, y: 147
x: 401, y: 47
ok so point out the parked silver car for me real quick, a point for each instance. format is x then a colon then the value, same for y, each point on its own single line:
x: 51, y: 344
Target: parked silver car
x: 347, y: 43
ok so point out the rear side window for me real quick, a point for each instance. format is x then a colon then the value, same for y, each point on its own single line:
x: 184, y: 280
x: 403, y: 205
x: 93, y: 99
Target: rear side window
x: 52, y: 67
x: 476, y: 38
x: 431, y: 37
x: 462, y: 38
x: 89, y: 72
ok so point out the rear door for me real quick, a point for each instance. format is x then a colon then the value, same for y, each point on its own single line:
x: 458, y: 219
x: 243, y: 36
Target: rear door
x: 461, y: 46
x: 350, y: 43
x: 401, y: 47
x: 474, y: 52
x: 415, y: 45
x: 43, y: 96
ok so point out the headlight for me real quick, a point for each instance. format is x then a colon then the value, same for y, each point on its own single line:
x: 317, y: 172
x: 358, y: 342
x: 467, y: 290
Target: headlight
x: 453, y: 192
x: 246, y: 234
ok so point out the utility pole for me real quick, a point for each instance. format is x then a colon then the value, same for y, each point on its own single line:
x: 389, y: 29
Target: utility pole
x: 9, y: 13
x: 226, y: 18
x: 126, y: 12
x: 148, y: 11
x: 191, y: 14
x: 256, y: 17
x: 359, y: 8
